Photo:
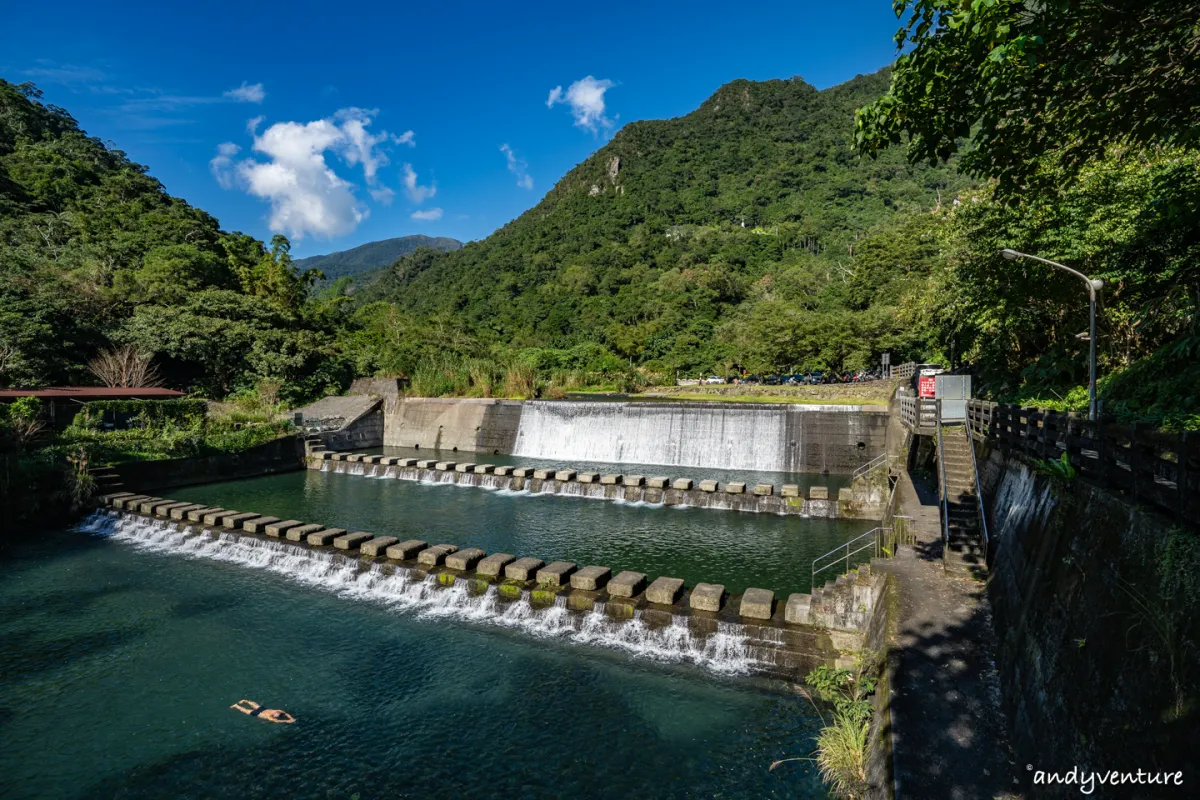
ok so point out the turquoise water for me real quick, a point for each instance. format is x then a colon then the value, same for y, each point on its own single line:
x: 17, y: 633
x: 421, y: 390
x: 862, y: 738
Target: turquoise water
x: 119, y: 664
x: 697, y: 545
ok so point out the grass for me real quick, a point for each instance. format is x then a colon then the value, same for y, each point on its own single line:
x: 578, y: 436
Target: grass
x: 777, y: 399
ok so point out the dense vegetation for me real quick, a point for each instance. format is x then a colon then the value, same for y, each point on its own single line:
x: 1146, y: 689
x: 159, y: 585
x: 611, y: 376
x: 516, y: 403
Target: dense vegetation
x: 372, y: 256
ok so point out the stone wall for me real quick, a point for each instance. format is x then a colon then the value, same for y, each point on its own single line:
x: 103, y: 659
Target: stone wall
x: 455, y: 424
x: 285, y: 454
x: 1095, y: 604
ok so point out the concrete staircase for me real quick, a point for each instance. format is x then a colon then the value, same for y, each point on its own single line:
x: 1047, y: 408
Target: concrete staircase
x: 965, y: 552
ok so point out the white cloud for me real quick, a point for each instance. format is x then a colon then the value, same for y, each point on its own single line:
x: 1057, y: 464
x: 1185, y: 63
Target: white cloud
x: 518, y: 167
x: 408, y: 138
x: 586, y: 100
x: 416, y: 193
x: 428, y: 215
x: 306, y: 195
x: 253, y: 123
x: 247, y: 93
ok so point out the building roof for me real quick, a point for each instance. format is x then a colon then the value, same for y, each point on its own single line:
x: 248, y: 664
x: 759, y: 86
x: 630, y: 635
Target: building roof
x: 84, y: 393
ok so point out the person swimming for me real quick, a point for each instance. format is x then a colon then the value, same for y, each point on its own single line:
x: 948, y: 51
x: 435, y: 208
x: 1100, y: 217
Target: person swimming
x: 269, y: 714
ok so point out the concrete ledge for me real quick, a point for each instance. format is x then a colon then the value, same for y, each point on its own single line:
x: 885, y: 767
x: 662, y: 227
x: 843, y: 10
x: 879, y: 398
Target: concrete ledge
x: 503, y: 471
x: 565, y: 475
x: 522, y: 472
x: 682, y: 483
x: 433, y: 556
x: 493, y: 566
x: 234, y: 521
x: 610, y: 480
x: 128, y: 501
x: 181, y: 512
x: 406, y: 550
x: 789, y: 490
x: 351, y: 541
x: 709, y: 486
x: 164, y: 509
x: 664, y: 590
x: 388, y: 461
x: 555, y: 574
x: 735, y: 488
x: 280, y: 528
x: 199, y: 514
x: 322, y: 538
x: 588, y: 477
x: 818, y: 493
x: 798, y: 609
x: 757, y: 604
x: 339, y: 456
x: 707, y: 597
x: 523, y: 569
x: 658, y: 482
x: 426, y: 464
x: 215, y: 518
x: 352, y: 457
x: 407, y: 462
x: 445, y: 466
x: 258, y: 524
x: 464, y: 467
x: 145, y: 506
x: 324, y: 455
x: 372, y: 459
x: 378, y: 546
x: 483, y: 469
x: 633, y: 480
x: 627, y: 584
x: 301, y: 532
x: 464, y: 559
x: 764, y: 489
x: 543, y: 474
x: 591, y: 578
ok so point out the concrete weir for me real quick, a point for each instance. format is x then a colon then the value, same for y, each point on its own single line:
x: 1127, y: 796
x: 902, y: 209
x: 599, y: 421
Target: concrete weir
x: 752, y: 632
x: 861, y: 500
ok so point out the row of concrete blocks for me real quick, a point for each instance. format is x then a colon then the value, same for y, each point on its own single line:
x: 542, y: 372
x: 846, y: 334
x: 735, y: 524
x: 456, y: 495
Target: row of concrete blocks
x: 756, y: 604
x: 564, y: 475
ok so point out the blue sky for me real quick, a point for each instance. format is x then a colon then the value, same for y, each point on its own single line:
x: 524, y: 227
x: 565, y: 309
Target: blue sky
x: 342, y: 124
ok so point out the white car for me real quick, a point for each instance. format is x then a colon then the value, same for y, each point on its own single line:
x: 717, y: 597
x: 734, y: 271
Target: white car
x: 714, y: 379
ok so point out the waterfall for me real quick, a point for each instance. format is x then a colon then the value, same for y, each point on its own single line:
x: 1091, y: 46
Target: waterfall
x: 725, y: 651
x: 719, y: 436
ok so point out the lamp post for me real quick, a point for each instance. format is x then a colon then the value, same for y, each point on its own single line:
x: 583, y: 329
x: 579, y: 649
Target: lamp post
x: 1094, y: 285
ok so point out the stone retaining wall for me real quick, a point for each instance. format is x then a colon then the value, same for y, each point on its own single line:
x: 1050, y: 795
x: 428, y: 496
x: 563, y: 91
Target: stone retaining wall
x: 285, y: 454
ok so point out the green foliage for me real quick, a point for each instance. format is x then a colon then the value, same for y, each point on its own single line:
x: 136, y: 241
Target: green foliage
x: 842, y: 753
x: 1061, y: 468
x: 1071, y: 80
x: 149, y: 413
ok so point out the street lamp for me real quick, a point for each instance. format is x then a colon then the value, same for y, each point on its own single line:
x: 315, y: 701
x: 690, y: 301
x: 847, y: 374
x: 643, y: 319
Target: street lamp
x: 1094, y: 285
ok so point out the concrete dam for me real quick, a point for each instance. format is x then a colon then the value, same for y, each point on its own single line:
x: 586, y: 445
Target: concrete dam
x: 783, y: 438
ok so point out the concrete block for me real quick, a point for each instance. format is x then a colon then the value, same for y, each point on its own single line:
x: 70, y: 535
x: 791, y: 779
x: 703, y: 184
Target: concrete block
x: 388, y: 461
x: 426, y: 464
x: 407, y: 462
x: 610, y: 480
x: 709, y: 486
x: 199, y: 514
x: 588, y: 477
x: 351, y: 541
x: 818, y: 493
x: 145, y: 506
x: 633, y: 480
x: 591, y: 578
x: 433, y: 556
x: 301, y: 533
x: 468, y: 467
x: 626, y: 584
x: 378, y: 546
x: 658, y: 482
x: 464, y: 559
x: 406, y: 550
x: 280, y: 528
x: 565, y: 475
x: 503, y: 471
x: 845, y: 493
x: 707, y: 597
x: 484, y: 469
x: 493, y: 566
x: 764, y: 489
x: 322, y: 538
x: 798, y: 609
x: 164, y: 509
x: 180, y: 513
x: 664, y: 590
x: 523, y: 569
x: 735, y: 488
x: 324, y: 455
x: 216, y: 517
x: 234, y: 521
x: 258, y: 524
x: 121, y: 500
x: 789, y: 490
x: 555, y: 574
x: 543, y: 474
x: 682, y: 483
x: 445, y: 466
x: 355, y: 457
x: 757, y: 604
x: 339, y: 456
x: 522, y: 472
x: 107, y: 499
x: 371, y: 459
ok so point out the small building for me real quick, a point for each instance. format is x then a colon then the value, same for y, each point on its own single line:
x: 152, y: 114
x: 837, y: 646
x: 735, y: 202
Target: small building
x: 63, y: 402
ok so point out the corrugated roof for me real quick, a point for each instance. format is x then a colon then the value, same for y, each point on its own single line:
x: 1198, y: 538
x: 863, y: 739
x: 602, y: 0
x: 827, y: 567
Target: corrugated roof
x: 92, y: 393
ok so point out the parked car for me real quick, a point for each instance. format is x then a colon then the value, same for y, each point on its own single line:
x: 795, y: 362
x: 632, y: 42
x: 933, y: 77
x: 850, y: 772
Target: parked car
x: 714, y: 379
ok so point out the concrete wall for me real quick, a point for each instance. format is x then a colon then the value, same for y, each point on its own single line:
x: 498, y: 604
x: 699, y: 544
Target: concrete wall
x: 1095, y: 603
x: 363, y: 431
x: 285, y: 454
x: 463, y: 424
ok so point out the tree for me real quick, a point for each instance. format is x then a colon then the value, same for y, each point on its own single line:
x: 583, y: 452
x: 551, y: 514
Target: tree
x: 125, y: 367
x: 1071, y: 79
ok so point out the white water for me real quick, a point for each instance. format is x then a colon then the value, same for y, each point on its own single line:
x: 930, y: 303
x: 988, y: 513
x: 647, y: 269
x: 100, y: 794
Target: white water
x: 725, y: 651
x: 760, y: 438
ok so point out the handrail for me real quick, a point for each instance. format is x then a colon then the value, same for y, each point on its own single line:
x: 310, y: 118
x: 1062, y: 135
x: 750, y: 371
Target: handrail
x: 978, y: 492
x: 941, y: 456
x: 870, y: 465
x: 874, y: 533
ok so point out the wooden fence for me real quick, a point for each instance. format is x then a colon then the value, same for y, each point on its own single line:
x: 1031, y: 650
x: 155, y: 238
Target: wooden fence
x: 1143, y: 462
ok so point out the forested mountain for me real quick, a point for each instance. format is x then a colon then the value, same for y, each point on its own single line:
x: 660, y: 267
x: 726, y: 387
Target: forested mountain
x: 372, y: 255
x: 727, y: 235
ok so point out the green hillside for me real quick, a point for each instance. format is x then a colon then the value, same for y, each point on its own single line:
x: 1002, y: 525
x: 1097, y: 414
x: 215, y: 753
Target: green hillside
x: 372, y: 255
x: 677, y: 239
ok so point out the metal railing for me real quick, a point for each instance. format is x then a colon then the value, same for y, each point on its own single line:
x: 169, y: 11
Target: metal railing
x: 978, y: 493
x: 881, y: 460
x: 845, y: 552
x: 941, y: 457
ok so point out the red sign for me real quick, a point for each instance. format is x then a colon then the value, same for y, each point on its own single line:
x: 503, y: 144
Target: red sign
x: 926, y: 385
